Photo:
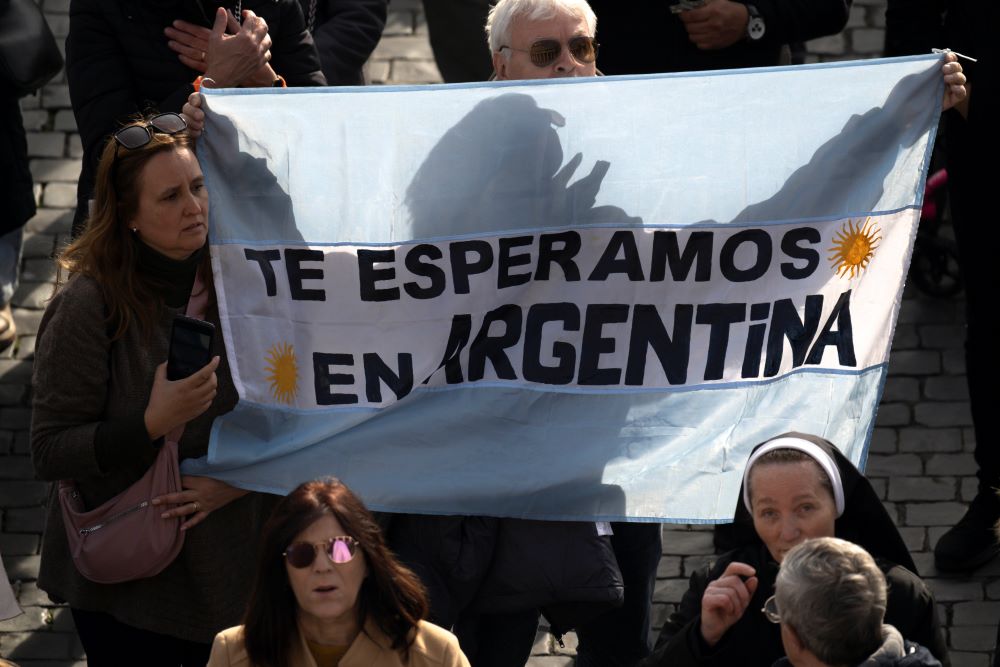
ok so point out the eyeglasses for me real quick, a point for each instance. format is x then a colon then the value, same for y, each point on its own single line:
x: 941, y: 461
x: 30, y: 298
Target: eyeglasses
x: 139, y: 134
x: 544, y: 52
x: 339, y: 550
x: 770, y: 610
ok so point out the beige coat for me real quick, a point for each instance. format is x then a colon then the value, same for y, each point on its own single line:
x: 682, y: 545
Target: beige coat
x: 432, y: 647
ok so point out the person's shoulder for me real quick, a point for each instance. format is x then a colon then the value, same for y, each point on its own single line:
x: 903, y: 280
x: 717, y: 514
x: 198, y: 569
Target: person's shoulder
x: 901, y: 581
x: 435, y: 646
x: 229, y: 648
x: 79, y: 291
x: 898, y: 573
x: 79, y: 303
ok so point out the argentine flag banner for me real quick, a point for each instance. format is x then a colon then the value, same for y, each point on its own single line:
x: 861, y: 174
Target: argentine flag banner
x: 565, y: 299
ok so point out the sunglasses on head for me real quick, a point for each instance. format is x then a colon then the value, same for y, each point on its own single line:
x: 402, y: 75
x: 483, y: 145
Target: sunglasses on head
x: 139, y: 134
x: 544, y: 52
x: 339, y: 550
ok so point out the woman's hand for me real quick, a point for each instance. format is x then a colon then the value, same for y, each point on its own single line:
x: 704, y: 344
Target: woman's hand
x: 725, y: 601
x: 201, y: 496
x: 954, y: 83
x: 193, y: 115
x: 175, y: 403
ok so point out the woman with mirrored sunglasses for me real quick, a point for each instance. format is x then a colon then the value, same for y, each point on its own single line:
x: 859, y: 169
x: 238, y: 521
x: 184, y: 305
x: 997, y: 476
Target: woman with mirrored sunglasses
x: 103, y: 404
x: 328, y: 592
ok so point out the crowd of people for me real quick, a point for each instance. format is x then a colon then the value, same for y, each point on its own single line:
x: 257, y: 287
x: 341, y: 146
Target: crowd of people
x: 815, y: 573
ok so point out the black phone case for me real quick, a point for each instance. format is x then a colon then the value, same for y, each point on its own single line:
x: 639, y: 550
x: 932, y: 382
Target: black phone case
x: 190, y: 346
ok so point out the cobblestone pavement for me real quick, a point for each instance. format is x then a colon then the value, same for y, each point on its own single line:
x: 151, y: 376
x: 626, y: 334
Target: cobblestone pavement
x: 920, y: 463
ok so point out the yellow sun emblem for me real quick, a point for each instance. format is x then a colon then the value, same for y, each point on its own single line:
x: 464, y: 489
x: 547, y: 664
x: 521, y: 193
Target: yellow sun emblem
x: 282, y: 372
x: 854, y: 246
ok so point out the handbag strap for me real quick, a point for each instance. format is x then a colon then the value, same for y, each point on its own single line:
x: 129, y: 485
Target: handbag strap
x: 196, y: 306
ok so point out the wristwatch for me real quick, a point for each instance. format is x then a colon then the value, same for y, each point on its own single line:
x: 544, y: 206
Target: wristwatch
x: 755, y: 24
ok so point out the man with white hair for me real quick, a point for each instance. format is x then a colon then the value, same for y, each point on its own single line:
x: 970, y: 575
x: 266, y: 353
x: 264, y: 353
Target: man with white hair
x: 547, y: 39
x: 542, y: 39
x: 830, y: 598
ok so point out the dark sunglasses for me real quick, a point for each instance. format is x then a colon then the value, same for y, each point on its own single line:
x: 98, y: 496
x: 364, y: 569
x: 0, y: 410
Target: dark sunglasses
x: 339, y: 550
x: 544, y: 52
x: 139, y: 134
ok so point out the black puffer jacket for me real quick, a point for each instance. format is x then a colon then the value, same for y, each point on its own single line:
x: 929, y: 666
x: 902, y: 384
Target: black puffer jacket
x: 118, y: 64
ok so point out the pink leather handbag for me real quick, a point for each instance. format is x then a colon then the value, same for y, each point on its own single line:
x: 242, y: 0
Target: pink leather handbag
x: 125, y: 538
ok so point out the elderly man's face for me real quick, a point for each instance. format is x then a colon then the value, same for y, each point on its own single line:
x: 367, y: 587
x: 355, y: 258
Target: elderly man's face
x: 515, y: 63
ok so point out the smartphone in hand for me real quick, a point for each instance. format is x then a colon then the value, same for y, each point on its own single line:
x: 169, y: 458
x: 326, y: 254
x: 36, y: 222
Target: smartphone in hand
x: 190, y: 346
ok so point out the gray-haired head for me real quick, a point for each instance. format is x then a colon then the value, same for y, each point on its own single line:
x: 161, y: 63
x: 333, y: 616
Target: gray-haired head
x: 832, y: 595
x: 503, y: 14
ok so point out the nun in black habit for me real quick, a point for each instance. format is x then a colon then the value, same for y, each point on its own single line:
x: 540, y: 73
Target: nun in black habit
x: 801, y: 487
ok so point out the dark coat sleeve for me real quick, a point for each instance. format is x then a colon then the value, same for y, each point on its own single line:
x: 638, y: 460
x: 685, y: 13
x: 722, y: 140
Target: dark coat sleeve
x: 800, y: 20
x: 15, y: 178
x: 70, y: 386
x: 911, y: 609
x: 752, y: 641
x: 293, y: 53
x: 346, y: 33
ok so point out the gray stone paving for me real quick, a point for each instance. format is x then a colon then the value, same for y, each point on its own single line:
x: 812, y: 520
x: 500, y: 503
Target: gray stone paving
x: 920, y: 463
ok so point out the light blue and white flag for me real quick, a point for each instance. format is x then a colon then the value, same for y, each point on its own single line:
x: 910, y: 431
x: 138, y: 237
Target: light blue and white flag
x: 578, y: 299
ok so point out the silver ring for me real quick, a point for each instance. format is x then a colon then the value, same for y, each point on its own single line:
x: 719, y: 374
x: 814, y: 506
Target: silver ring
x: 197, y: 506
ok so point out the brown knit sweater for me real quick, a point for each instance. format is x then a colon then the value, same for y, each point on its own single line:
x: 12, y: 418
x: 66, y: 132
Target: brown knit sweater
x: 83, y: 380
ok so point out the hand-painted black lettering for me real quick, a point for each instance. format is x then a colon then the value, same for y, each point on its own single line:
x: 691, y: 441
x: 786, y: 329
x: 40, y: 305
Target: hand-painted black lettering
x: 324, y: 380
x: 462, y: 267
x: 785, y: 324
x: 294, y: 257
x: 565, y: 354
x: 595, y: 344
x: 790, y: 245
x: 368, y: 275
x: 672, y: 350
x: 621, y: 243
x: 761, y: 241
x: 548, y: 254
x: 666, y: 252
x: 506, y: 261
x: 720, y: 317
x: 377, y: 371
x: 264, y: 258
x: 428, y: 269
x: 843, y: 337
x: 485, y: 346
